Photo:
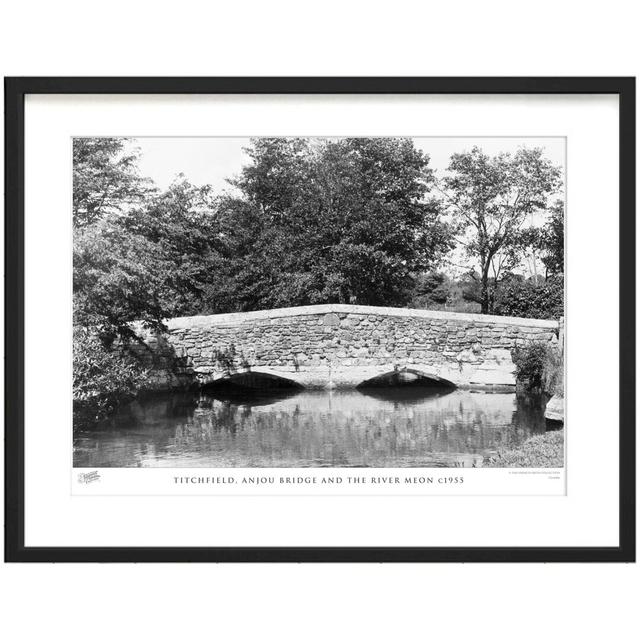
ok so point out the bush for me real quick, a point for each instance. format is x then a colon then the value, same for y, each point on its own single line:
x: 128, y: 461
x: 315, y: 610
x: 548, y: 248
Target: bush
x: 103, y: 378
x: 546, y: 450
x: 530, y: 299
x: 431, y: 288
x: 435, y: 290
x: 538, y: 368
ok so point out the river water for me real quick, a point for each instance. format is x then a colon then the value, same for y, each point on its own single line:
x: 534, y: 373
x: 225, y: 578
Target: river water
x: 408, y: 426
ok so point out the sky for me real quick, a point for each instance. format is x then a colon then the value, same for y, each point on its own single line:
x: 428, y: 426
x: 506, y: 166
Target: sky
x: 213, y: 160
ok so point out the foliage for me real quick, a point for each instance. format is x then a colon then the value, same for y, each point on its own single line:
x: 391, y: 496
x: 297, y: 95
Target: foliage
x: 151, y: 264
x: 432, y: 287
x: 542, y: 451
x: 138, y: 255
x: 438, y: 291
x: 182, y: 223
x: 105, y: 179
x: 102, y: 377
x: 530, y: 298
x: 490, y: 200
x: 117, y: 279
x: 546, y: 242
x: 530, y: 363
x: 538, y: 368
x: 553, y: 240
x: 471, y: 285
x: 347, y: 221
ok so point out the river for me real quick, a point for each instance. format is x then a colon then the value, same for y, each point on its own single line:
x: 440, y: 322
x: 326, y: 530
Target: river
x: 409, y: 426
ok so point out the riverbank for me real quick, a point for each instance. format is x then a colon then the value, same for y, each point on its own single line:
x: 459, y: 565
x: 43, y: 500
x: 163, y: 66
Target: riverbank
x: 546, y: 450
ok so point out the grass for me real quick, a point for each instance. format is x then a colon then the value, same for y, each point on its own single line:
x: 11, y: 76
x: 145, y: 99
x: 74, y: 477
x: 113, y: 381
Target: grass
x: 546, y: 450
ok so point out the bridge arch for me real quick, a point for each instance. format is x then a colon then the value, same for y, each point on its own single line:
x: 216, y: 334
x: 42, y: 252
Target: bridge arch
x: 255, y: 379
x: 406, y: 376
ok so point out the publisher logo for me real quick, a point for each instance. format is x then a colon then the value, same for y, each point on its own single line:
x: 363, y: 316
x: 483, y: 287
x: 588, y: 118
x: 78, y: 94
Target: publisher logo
x: 88, y: 477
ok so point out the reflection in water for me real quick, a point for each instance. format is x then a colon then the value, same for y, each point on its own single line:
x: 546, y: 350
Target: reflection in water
x: 410, y: 426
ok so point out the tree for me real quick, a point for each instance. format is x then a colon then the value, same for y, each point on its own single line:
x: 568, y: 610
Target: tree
x: 547, y: 242
x: 118, y: 278
x: 147, y: 265
x: 183, y: 222
x: 431, y: 288
x: 105, y: 179
x: 491, y: 200
x: 343, y: 221
x: 553, y: 240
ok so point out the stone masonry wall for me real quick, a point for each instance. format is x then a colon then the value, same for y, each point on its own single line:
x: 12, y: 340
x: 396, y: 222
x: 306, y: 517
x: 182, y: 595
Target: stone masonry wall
x: 341, y: 346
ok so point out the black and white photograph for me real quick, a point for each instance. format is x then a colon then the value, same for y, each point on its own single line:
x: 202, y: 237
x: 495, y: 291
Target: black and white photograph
x: 290, y: 302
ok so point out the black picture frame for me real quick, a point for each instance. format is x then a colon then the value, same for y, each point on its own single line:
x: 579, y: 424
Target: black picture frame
x: 15, y: 91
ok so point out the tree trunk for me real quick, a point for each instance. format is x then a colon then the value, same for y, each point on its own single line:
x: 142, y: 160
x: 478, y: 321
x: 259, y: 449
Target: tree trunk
x: 485, y: 301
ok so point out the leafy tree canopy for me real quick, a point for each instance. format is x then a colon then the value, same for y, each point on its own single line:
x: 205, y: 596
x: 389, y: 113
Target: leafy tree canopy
x: 490, y: 199
x: 345, y: 221
x: 153, y: 263
x: 105, y: 179
x: 553, y: 240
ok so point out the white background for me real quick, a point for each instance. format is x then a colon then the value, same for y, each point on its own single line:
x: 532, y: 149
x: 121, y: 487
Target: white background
x: 53, y: 517
x: 335, y: 38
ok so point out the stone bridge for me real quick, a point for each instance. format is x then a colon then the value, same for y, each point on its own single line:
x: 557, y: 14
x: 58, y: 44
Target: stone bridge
x: 340, y: 346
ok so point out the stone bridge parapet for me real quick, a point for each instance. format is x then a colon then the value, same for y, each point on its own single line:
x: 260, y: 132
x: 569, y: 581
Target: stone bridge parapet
x: 334, y: 345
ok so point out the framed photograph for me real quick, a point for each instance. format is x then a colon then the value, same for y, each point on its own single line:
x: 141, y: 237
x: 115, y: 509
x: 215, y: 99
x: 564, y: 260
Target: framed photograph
x: 320, y: 319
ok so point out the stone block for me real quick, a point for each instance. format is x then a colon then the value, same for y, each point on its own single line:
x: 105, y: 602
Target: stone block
x: 555, y: 409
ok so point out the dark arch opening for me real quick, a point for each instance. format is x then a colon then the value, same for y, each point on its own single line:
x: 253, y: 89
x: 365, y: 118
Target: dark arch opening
x: 405, y: 386
x: 406, y: 378
x: 254, y: 380
x: 251, y: 388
